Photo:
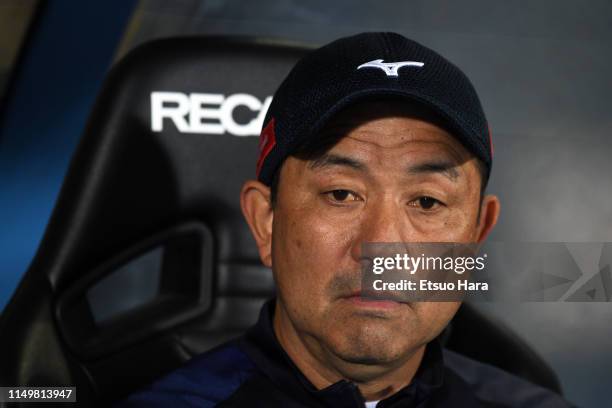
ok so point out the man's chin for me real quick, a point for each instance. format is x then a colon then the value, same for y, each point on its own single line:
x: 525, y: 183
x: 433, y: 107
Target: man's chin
x: 372, y: 344
x: 360, y: 358
x: 363, y: 365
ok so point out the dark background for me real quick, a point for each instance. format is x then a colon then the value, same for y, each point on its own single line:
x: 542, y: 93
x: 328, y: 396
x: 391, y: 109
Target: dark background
x: 542, y: 70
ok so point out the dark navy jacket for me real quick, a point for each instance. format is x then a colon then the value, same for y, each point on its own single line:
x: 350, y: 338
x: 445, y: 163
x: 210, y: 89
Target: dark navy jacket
x: 254, y: 371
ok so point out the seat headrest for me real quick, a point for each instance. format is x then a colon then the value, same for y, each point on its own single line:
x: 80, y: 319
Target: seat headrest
x: 172, y: 138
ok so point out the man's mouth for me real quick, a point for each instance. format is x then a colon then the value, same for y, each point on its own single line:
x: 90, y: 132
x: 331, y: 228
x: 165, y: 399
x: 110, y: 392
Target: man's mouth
x: 383, y: 300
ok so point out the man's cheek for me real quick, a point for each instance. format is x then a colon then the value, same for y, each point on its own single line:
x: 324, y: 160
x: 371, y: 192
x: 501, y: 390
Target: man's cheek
x: 316, y: 232
x: 457, y: 227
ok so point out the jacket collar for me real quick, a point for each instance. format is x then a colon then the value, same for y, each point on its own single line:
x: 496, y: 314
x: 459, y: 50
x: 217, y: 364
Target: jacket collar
x: 261, y: 344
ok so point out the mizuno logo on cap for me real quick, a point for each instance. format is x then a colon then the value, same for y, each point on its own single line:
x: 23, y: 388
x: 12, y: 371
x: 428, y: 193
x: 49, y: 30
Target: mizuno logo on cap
x: 390, y: 68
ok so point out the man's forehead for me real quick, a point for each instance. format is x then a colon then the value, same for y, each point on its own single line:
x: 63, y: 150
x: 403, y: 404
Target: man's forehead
x: 394, y: 134
x: 445, y: 166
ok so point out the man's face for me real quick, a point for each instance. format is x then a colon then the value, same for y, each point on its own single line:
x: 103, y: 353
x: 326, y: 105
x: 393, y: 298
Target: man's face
x: 391, y: 177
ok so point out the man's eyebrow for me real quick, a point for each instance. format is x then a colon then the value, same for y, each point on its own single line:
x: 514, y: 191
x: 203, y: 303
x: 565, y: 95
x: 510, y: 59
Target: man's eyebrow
x: 330, y: 159
x: 446, y: 168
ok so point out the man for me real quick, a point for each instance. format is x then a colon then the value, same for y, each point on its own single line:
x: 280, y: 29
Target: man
x: 372, y: 138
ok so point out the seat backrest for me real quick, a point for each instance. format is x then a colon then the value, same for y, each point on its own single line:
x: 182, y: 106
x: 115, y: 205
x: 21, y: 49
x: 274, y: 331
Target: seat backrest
x: 146, y: 260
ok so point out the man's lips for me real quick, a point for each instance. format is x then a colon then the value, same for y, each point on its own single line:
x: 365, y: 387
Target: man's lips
x: 386, y: 300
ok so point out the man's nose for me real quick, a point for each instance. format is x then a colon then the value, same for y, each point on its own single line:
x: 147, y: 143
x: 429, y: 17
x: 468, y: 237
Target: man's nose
x: 383, y: 220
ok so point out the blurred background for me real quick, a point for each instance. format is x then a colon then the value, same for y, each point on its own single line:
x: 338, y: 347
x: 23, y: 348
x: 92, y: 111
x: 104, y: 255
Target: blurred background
x: 542, y: 70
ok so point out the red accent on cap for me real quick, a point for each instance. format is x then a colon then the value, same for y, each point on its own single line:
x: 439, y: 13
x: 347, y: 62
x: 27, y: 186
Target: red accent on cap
x: 490, y: 140
x: 267, y: 140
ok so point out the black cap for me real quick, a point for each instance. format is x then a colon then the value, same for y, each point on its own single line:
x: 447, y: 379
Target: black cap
x: 368, y: 65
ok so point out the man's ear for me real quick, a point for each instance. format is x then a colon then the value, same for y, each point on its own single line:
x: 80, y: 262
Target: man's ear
x: 489, y: 213
x: 257, y: 210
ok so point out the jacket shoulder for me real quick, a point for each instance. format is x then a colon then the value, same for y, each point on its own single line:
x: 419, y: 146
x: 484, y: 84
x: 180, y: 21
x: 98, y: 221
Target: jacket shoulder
x: 204, y: 381
x: 494, y: 387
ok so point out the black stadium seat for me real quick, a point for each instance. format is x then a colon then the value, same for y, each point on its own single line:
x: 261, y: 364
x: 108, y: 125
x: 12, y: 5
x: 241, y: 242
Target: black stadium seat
x: 146, y: 260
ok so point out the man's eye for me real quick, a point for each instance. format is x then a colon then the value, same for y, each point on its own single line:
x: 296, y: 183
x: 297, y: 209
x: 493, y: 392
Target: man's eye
x: 342, y: 195
x: 425, y: 202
